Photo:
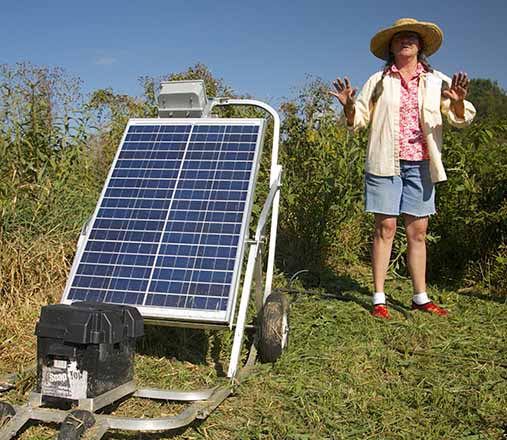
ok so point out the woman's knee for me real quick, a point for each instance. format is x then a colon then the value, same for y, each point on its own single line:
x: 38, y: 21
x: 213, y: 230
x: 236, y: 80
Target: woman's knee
x: 416, y: 229
x: 385, y: 227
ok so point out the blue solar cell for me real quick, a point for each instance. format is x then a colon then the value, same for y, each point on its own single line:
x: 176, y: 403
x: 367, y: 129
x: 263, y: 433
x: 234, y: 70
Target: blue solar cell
x: 79, y: 294
x: 129, y: 213
x: 166, y: 233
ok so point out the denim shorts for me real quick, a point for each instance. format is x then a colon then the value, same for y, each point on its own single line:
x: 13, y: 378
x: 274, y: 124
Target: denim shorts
x: 412, y: 192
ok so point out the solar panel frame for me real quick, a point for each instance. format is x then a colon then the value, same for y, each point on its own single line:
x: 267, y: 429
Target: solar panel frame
x: 184, y: 314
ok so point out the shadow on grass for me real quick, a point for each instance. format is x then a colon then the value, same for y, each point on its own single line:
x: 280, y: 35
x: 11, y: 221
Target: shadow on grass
x: 33, y: 424
x: 183, y: 344
x: 196, y: 346
x: 190, y: 345
x: 475, y: 293
x: 326, y: 284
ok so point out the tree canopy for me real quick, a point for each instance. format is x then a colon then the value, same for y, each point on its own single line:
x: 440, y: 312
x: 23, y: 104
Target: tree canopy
x: 488, y: 98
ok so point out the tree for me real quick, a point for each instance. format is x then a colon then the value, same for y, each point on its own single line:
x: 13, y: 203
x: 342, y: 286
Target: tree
x: 488, y: 98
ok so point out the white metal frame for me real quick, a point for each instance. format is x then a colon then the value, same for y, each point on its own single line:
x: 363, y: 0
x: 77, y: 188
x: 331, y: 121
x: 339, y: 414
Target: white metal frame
x: 272, y: 204
x: 204, y: 401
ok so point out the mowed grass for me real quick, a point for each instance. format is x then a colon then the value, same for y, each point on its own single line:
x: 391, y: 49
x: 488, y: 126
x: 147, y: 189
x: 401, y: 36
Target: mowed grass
x: 345, y: 375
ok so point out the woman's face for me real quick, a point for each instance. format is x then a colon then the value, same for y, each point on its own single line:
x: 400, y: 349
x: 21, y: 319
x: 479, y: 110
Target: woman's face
x: 405, y: 44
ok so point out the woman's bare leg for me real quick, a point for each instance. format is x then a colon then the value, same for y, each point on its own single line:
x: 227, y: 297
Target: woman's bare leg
x: 385, y: 228
x: 415, y: 228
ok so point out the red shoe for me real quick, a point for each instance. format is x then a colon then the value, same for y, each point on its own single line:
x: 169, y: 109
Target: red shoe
x: 380, y: 311
x: 431, y: 308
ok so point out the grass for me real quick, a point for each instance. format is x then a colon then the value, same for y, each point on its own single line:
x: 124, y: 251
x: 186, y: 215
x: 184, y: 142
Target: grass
x: 345, y: 375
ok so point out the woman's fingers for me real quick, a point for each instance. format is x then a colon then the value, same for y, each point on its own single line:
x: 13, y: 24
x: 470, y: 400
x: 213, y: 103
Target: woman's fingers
x: 459, y: 87
x: 344, y: 92
x: 456, y: 79
x: 339, y: 84
x: 342, y: 85
x: 465, y: 82
x: 460, y: 79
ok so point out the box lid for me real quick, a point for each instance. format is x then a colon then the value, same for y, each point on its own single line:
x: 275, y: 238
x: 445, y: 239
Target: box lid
x: 90, y: 323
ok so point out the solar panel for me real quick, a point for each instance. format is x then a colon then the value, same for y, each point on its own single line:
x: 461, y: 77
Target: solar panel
x: 169, y: 229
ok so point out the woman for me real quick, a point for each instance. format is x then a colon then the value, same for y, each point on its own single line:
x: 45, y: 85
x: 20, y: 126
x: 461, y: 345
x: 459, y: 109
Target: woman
x: 404, y: 104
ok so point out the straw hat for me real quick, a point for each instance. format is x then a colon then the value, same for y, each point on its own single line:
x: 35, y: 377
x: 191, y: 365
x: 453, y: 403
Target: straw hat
x: 430, y: 34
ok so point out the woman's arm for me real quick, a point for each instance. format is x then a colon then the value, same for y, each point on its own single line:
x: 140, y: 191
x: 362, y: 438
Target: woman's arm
x: 457, y: 93
x: 459, y: 112
x: 345, y: 95
x: 357, y: 112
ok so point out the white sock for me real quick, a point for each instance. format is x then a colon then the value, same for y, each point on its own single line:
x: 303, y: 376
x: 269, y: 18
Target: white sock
x: 420, y: 298
x: 379, y: 298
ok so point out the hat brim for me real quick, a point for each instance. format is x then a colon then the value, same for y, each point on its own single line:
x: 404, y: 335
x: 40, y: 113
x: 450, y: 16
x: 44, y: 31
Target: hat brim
x: 431, y: 36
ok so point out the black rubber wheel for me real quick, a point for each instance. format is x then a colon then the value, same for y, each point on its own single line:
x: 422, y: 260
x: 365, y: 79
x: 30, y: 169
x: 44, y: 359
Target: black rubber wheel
x: 274, y: 327
x: 75, y: 424
x: 7, y: 411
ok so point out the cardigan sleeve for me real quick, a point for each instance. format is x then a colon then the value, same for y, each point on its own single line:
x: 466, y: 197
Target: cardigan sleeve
x: 448, y: 112
x: 363, y: 107
x: 453, y: 119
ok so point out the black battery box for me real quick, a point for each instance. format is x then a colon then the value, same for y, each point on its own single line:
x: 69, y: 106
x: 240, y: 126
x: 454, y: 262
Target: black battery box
x: 85, y: 349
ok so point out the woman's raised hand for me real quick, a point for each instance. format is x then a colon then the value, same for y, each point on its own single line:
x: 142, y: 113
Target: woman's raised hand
x: 457, y: 93
x: 344, y: 92
x: 459, y: 87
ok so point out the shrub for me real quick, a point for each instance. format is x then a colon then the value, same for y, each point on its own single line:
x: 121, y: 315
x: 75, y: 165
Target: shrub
x: 472, y: 204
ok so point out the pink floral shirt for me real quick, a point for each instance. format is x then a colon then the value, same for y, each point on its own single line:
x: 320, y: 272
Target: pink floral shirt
x: 412, y: 143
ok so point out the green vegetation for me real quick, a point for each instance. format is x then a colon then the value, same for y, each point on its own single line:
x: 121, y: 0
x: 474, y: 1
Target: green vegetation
x: 489, y: 99
x: 345, y: 375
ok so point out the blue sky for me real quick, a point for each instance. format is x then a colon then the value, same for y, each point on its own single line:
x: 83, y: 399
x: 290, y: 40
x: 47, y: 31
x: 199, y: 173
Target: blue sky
x: 264, y: 48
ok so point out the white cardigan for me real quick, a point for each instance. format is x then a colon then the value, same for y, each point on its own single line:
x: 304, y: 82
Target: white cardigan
x: 382, y: 155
